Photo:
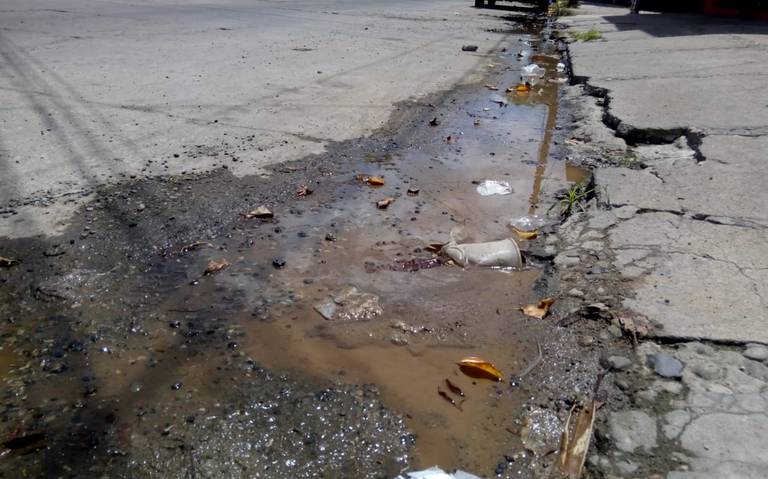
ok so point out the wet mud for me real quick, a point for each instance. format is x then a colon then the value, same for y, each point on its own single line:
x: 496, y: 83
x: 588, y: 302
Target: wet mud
x: 121, y: 357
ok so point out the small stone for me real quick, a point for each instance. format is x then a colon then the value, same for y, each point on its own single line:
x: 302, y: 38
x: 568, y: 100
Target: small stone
x: 469, y: 48
x: 278, y: 263
x: 615, y: 331
x: 141, y: 207
x: 576, y: 293
x: 330, y: 237
x: 706, y: 370
x: 585, y: 340
x: 616, y: 363
x: 176, y: 386
x: 756, y: 352
x: 665, y: 365
x: 633, y: 429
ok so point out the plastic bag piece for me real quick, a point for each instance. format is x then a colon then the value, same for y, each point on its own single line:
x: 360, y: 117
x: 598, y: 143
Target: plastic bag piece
x: 528, y: 223
x: 532, y: 70
x: 437, y: 473
x: 505, y: 253
x: 492, y: 187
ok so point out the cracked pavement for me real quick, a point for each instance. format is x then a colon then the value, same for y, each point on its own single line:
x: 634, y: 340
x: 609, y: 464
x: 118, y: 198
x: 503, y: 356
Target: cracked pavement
x: 671, y: 119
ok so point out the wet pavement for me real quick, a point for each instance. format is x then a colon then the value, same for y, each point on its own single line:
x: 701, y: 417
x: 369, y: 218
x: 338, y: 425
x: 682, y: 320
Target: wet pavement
x: 119, y: 352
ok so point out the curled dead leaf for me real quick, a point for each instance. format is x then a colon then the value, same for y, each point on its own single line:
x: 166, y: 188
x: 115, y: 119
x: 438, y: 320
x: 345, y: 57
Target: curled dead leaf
x: 538, y: 310
x: 434, y: 247
x: 303, y: 191
x: 7, y: 262
x: 260, y: 212
x: 526, y: 235
x: 492, y: 87
x: 195, y: 246
x: 475, y: 367
x: 383, y: 204
x: 523, y: 87
x: 214, y: 266
x: 413, y: 191
x: 371, y: 180
x: 476, y: 122
x: 574, y: 442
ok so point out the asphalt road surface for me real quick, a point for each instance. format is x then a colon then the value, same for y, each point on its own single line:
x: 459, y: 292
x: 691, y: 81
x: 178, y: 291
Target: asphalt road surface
x: 95, y: 91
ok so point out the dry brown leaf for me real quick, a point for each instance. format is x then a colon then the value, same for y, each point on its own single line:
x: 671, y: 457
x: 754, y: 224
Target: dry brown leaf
x: 434, y: 247
x: 195, y: 246
x: 374, y: 180
x: 574, y: 443
x: 538, y: 310
x: 383, y: 204
x: 476, y: 122
x: 526, y: 235
x: 413, y: 191
x: 260, y: 212
x: 304, y: 191
x: 7, y: 262
x: 214, y: 266
x: 475, y: 367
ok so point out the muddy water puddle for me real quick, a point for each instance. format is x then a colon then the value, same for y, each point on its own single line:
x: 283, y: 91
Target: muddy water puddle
x: 263, y: 311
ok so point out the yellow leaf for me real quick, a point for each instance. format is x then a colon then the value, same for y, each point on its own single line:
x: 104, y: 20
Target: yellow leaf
x: 215, y: 266
x: 526, y: 235
x: 523, y: 87
x: 538, y: 310
x: 475, y: 367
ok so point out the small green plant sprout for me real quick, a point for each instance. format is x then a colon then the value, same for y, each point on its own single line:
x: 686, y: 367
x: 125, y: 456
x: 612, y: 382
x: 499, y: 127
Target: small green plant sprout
x: 588, y: 36
x: 573, y: 200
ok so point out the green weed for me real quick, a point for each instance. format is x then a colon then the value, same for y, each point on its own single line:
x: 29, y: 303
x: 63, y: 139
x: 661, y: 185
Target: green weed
x: 587, y: 36
x: 574, y: 199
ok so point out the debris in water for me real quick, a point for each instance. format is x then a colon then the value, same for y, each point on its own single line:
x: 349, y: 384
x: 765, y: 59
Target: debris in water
x: 528, y: 222
x: 304, y: 191
x: 434, y: 122
x: 534, y: 363
x: 371, y: 180
x: 350, y: 304
x: 521, y: 88
x: 504, y: 253
x: 176, y: 386
x: 434, y: 247
x: 493, y: 187
x: 195, y: 246
x: 7, y: 262
x: 278, y: 263
x: 413, y: 191
x: 454, y: 388
x: 575, y: 440
x: 214, y: 266
x: 437, y: 473
x: 498, y: 99
x: 330, y: 237
x: 492, y: 87
x: 448, y: 398
x: 538, y: 310
x: 260, y: 212
x: 475, y: 367
x: 469, y: 48
x: 383, y: 204
x: 416, y: 264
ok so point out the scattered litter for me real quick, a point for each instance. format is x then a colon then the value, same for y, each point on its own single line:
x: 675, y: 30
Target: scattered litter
x: 492, y: 87
x: 531, y: 73
x: 476, y: 122
x: 525, y: 235
x: 413, y: 191
x: 448, y: 398
x: 528, y: 223
x: 575, y: 440
x: 493, y: 187
x: 383, y: 204
x: 538, y: 310
x: 214, y: 266
x: 560, y: 67
x: 7, y: 262
x: 469, y: 48
x: 371, y: 180
x: 478, y: 368
x: 304, y: 191
x: 260, y: 212
x: 434, y: 122
x: 492, y: 253
x: 350, y: 305
x: 437, y: 473
x: 521, y: 88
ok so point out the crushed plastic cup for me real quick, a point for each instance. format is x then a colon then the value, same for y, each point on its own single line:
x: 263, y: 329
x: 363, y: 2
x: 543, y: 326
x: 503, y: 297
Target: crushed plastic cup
x: 502, y: 253
x: 533, y: 70
x: 493, y: 187
x: 528, y: 222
